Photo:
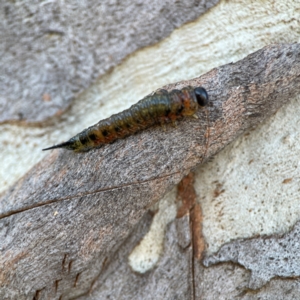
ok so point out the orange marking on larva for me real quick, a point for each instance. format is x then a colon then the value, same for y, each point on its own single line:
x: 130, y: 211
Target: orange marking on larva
x: 157, y: 109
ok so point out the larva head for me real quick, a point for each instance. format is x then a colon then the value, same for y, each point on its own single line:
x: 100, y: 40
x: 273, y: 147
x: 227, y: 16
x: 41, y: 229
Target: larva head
x: 201, y: 96
x: 192, y: 98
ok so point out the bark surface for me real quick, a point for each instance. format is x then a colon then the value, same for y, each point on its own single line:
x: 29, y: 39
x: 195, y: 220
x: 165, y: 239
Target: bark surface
x: 64, y: 221
x: 52, y: 51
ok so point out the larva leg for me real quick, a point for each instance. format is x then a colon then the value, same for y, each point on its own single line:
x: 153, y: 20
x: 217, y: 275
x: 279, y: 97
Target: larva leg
x: 174, y: 123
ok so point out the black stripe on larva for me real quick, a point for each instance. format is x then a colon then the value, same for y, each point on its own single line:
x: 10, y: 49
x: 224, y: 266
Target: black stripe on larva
x: 83, y: 139
x: 179, y: 110
x: 167, y: 112
x: 117, y: 129
x: 93, y: 136
x: 104, y: 132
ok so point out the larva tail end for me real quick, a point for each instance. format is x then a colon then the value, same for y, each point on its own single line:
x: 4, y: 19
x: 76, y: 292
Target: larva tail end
x: 67, y: 145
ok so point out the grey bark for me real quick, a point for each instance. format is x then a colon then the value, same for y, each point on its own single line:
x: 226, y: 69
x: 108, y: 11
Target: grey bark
x: 266, y: 257
x: 66, y: 219
x: 52, y: 50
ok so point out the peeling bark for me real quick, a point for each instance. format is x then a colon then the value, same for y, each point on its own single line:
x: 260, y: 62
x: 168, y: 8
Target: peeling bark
x: 266, y: 257
x: 67, y: 217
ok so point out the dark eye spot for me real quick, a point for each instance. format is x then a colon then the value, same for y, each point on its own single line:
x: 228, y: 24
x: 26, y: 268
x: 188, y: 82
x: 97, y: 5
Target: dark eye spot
x: 201, y: 96
x: 117, y: 129
x: 105, y: 132
x: 93, y: 136
x: 167, y: 112
x: 128, y: 125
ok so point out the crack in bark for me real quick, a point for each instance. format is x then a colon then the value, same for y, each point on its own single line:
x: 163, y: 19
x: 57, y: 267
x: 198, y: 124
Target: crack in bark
x: 64, y: 261
x: 37, y: 294
x: 56, y: 284
x: 98, y: 276
x: 76, y: 279
x: 13, y: 212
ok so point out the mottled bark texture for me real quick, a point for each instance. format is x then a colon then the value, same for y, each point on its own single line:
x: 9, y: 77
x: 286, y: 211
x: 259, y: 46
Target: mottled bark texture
x: 266, y: 257
x: 52, y: 50
x: 63, y: 222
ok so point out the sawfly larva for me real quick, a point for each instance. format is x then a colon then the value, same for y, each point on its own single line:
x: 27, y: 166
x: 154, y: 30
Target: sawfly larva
x: 159, y: 108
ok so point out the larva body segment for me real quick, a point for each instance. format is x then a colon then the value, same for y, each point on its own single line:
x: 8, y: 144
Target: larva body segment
x: 160, y: 108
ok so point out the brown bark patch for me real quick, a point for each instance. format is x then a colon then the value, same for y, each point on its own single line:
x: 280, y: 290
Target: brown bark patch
x: 187, y: 195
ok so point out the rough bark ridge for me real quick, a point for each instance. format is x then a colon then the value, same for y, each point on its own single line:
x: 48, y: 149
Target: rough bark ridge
x: 66, y: 218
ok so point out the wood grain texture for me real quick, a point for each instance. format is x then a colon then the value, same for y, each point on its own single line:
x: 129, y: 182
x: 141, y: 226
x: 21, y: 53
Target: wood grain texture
x: 52, y: 51
x: 169, y: 280
x: 71, y: 212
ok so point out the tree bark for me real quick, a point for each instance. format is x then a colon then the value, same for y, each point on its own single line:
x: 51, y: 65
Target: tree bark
x: 52, y: 51
x: 64, y: 221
